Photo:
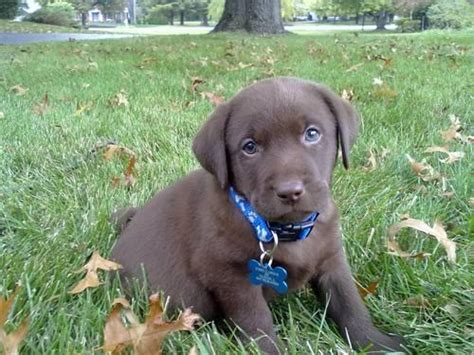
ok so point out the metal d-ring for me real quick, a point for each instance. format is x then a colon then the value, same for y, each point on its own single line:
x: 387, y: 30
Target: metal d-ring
x: 268, y: 252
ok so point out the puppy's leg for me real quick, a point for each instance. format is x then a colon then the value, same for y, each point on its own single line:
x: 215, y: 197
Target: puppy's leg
x: 334, y: 284
x: 122, y: 217
x: 248, y: 309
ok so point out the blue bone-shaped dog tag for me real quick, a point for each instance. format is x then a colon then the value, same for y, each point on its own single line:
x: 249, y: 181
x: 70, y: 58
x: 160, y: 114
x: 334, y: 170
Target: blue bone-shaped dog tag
x: 264, y: 274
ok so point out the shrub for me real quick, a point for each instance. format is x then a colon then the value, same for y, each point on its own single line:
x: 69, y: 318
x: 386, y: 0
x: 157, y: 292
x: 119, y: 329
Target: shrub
x: 454, y: 14
x: 8, y: 9
x: 56, y: 13
x: 407, y: 25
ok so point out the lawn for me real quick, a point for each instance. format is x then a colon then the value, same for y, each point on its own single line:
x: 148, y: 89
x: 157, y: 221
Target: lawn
x: 32, y: 27
x: 57, y: 191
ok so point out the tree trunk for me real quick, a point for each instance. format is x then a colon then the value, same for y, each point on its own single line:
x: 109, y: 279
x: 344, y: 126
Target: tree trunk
x: 84, y: 19
x: 181, y: 17
x: 357, y: 18
x: 381, y: 19
x: 254, y: 16
x: 205, y: 20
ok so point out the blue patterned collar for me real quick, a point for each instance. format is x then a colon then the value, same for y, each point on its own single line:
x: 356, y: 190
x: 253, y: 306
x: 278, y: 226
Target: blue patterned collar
x: 264, y: 230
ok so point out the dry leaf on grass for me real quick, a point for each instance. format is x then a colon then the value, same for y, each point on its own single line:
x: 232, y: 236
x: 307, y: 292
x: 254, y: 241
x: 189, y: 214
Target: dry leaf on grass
x: 418, y: 301
x: 145, y: 338
x: 92, y: 279
x: 212, y: 98
x: 41, y: 106
x: 114, y: 149
x: 2, y: 115
x: 371, y: 161
x: 371, y: 289
x: 18, y: 90
x: 120, y: 99
x: 354, y: 68
x: 422, y: 170
x: 11, y: 341
x: 453, y: 132
x: 436, y: 231
x: 347, y: 95
x: 195, y: 82
x: 394, y: 249
x: 452, y: 156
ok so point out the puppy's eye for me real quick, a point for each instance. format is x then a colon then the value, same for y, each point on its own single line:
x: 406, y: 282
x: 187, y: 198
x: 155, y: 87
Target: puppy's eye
x: 311, y: 135
x: 249, y: 147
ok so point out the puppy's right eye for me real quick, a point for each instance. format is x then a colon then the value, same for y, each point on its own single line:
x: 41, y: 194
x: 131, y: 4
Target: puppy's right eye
x: 249, y: 147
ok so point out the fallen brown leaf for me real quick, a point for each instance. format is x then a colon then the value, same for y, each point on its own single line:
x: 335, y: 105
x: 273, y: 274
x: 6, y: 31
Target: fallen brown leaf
x: 371, y: 161
x: 114, y: 149
x: 394, y: 249
x: 11, y: 341
x: 418, y: 301
x: 195, y: 82
x: 119, y: 99
x: 371, y: 289
x: 92, y: 279
x: 452, y: 156
x: 145, y: 338
x: 436, y: 231
x: 423, y: 170
x: 347, y: 95
x: 212, y: 98
x: 41, y: 106
x: 2, y: 115
x: 18, y: 90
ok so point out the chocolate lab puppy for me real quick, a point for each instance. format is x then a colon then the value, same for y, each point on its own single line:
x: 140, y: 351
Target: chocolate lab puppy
x: 259, y: 218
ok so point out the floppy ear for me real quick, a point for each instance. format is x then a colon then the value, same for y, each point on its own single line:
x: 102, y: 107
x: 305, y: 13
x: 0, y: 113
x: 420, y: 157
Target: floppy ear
x: 347, y: 122
x: 209, y: 145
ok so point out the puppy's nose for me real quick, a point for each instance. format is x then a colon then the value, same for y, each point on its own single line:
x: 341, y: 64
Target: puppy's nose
x: 289, y: 191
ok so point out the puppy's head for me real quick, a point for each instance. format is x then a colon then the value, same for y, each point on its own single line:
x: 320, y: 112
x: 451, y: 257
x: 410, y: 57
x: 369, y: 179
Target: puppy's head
x: 276, y: 142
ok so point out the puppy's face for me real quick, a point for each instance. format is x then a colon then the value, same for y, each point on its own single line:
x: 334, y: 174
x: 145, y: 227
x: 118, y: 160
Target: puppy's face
x: 279, y: 145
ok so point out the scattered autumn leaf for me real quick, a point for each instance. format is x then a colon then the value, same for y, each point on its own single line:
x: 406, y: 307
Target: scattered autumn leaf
x: 92, y: 65
x: 92, y: 279
x: 452, y: 156
x: 471, y: 201
x: 423, y: 170
x: 145, y: 338
x: 212, y: 98
x: 418, y: 301
x: 193, y: 351
x: 114, y: 149
x: 120, y: 99
x: 436, y: 231
x: 81, y: 108
x: 11, y: 341
x: 371, y: 161
x: 195, y: 82
x: 18, y: 90
x: 41, y: 106
x: 371, y: 289
x: 347, y: 95
x: 394, y: 249
x: 453, y: 132
x: 2, y: 115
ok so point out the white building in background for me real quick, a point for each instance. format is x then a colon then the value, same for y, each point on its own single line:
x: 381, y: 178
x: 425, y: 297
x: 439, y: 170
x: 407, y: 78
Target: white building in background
x: 27, y: 7
x: 97, y: 16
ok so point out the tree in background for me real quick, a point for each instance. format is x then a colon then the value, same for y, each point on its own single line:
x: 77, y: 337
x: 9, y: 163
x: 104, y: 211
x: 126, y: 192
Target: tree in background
x: 253, y: 16
x: 8, y: 9
x: 157, y: 10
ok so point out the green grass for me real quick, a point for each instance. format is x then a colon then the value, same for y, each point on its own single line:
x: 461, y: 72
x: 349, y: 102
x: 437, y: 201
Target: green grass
x: 56, y: 194
x: 32, y: 27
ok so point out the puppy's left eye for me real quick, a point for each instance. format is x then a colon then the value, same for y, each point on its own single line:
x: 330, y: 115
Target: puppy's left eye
x: 311, y: 135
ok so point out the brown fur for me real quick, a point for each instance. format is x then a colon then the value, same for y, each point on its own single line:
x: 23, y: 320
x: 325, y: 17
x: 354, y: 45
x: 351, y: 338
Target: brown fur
x: 194, y: 243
